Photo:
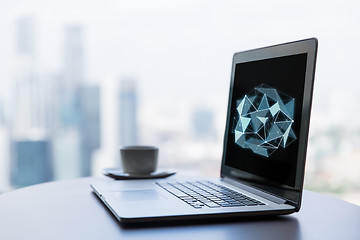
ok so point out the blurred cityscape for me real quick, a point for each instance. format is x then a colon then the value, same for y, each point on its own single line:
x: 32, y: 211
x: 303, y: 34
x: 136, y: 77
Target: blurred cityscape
x: 51, y: 125
x: 59, y: 125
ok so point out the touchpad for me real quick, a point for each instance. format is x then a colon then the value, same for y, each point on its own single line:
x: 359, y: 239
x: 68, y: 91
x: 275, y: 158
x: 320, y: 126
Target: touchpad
x: 136, y: 195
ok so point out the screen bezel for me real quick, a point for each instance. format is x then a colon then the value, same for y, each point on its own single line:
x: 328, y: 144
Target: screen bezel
x: 309, y: 46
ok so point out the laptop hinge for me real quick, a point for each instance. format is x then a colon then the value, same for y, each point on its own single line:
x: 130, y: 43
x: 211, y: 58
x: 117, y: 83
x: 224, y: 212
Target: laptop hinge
x: 255, y: 191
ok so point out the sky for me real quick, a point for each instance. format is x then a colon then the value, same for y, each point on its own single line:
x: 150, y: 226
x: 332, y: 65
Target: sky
x: 185, y: 47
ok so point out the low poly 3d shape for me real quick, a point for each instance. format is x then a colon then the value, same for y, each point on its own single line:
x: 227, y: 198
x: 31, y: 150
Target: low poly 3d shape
x: 265, y: 120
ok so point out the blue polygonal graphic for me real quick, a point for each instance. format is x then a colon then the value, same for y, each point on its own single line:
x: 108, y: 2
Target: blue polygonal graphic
x: 265, y: 120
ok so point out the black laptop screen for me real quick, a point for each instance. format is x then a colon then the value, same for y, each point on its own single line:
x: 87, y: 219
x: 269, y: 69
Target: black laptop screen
x: 265, y: 118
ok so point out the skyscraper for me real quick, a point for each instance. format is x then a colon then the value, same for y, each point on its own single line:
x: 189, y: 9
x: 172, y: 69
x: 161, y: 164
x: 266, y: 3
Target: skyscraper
x: 2, y: 113
x: 78, y: 111
x: 26, y: 113
x: 89, y: 119
x: 4, y: 158
x: 203, y: 124
x: 32, y: 162
x: 32, y: 92
x: 25, y: 36
x: 73, y: 57
x: 128, y: 130
x: 66, y: 150
x: 72, y: 76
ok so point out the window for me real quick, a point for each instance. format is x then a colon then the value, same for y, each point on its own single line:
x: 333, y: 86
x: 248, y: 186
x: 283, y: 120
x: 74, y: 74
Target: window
x: 81, y: 78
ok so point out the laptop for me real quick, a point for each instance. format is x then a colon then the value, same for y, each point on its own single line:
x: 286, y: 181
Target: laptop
x: 264, y: 151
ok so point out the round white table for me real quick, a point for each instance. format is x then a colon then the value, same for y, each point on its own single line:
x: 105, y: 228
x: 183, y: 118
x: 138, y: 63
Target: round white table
x: 70, y: 210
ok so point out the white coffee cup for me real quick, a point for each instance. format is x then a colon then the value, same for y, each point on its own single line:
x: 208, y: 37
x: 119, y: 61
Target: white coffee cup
x: 139, y: 159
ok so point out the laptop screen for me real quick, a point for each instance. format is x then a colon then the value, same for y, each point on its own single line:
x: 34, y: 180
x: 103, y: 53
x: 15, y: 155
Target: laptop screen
x: 266, y: 108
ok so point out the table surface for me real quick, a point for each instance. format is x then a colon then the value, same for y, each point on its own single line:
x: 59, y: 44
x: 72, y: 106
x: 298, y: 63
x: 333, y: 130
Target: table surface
x: 70, y: 210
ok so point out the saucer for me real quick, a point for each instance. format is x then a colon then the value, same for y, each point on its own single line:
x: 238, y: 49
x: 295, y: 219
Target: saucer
x: 118, y: 174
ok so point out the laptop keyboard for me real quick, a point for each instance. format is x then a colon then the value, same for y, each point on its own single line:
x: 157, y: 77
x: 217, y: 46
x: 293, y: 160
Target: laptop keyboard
x: 201, y: 194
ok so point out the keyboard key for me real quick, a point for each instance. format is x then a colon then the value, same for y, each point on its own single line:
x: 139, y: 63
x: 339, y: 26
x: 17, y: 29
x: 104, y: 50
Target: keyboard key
x: 237, y: 204
x: 212, y: 204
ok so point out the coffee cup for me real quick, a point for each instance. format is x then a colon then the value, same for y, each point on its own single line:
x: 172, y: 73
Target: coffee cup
x: 139, y: 160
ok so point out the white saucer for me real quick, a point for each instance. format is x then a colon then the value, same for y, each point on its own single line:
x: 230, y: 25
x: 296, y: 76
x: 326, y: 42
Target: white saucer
x: 118, y: 174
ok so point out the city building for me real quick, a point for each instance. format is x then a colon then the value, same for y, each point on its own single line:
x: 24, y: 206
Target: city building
x: 73, y: 59
x: 29, y: 123
x: 25, y: 36
x: 4, y: 159
x: 66, y: 154
x: 203, y: 124
x: 89, y: 124
x: 2, y: 113
x: 31, y: 162
x: 128, y: 130
x: 77, y: 106
x: 71, y: 77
